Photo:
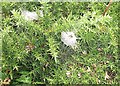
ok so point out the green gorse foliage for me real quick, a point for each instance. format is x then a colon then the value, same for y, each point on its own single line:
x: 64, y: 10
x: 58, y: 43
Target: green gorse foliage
x: 33, y: 53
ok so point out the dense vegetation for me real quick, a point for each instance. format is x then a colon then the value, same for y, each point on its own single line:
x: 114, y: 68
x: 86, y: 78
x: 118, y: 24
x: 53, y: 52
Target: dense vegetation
x: 33, y: 53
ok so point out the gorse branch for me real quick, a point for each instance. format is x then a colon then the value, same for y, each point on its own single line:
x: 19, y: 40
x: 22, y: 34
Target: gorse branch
x: 108, y: 6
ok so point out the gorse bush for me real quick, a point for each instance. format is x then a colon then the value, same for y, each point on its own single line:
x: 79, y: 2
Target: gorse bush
x: 33, y: 53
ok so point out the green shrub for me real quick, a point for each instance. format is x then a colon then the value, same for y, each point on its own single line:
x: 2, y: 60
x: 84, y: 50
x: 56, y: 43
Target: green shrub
x: 33, y: 53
